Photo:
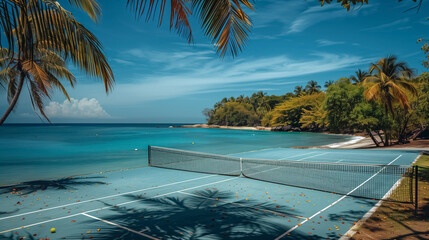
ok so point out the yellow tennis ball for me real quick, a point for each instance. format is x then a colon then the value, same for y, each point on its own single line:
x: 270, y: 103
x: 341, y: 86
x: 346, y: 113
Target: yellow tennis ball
x: 53, y: 230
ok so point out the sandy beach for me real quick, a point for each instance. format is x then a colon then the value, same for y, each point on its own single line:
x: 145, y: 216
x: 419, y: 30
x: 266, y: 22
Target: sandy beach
x: 360, y: 141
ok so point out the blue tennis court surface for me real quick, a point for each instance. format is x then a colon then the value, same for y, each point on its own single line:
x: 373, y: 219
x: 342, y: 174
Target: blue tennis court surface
x: 157, y: 203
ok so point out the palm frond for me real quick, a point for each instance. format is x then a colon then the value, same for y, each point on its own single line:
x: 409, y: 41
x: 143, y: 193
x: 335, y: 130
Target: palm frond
x: 38, y: 74
x: 32, y: 23
x: 154, y: 9
x: 37, y: 99
x: 9, y: 77
x: 399, y: 95
x: 91, y: 7
x: 225, y: 22
x: 373, y: 92
x: 55, y: 82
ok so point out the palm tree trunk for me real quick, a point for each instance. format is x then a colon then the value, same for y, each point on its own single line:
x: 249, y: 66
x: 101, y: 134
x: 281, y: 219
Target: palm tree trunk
x: 402, y: 136
x: 14, y: 99
x: 381, y: 137
x: 373, y: 138
x: 386, y: 138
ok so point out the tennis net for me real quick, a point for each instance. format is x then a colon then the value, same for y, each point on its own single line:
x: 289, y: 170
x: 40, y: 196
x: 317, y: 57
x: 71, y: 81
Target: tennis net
x: 366, y: 181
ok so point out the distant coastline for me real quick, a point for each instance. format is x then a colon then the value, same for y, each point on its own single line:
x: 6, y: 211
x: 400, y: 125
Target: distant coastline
x: 359, y: 141
x: 259, y: 128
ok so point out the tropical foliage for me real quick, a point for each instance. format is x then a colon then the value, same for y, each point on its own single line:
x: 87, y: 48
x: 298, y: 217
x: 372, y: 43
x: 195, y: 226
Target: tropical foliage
x: 41, y: 37
x: 387, y: 102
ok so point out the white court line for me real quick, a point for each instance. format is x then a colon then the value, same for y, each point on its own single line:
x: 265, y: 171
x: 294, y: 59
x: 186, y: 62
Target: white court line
x: 95, y: 199
x: 119, y: 226
x: 367, y: 215
x: 332, y: 204
x: 243, y: 205
x: 108, y: 207
x: 312, y: 156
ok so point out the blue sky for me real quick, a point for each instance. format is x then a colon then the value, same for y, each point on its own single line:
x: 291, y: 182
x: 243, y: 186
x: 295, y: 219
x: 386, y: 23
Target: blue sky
x: 160, y: 78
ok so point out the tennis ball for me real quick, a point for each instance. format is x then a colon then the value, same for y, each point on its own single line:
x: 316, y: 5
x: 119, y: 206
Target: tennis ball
x: 53, y: 230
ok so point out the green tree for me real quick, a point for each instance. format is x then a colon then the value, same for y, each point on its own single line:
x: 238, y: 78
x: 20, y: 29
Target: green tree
x: 370, y: 117
x: 290, y: 111
x: 389, y: 82
x: 312, y: 87
x: 235, y: 114
x: 328, y: 83
x: 341, y: 98
x: 360, y: 77
x: 298, y: 91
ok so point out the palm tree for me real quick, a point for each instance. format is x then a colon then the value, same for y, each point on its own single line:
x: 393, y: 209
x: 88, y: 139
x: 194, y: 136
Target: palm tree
x: 389, y: 82
x: 298, y: 91
x: 328, y: 83
x: 312, y: 87
x: 36, y: 27
x: 360, y: 77
x: 42, y: 73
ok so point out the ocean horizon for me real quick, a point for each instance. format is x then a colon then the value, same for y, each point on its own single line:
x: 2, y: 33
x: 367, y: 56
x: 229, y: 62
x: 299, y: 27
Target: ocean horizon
x: 32, y: 152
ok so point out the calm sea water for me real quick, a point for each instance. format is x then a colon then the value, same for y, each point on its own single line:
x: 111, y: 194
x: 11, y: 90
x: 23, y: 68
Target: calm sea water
x: 33, y: 152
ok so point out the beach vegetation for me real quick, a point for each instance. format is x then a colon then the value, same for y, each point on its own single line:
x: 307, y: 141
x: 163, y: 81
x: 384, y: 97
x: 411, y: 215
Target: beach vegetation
x: 387, y: 102
x: 290, y: 111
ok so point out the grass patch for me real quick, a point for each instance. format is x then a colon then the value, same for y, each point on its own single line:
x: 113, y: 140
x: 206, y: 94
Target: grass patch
x: 398, y: 221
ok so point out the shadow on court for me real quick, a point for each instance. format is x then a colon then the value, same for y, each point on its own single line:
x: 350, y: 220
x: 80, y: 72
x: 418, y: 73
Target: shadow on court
x: 201, y: 216
x: 56, y: 184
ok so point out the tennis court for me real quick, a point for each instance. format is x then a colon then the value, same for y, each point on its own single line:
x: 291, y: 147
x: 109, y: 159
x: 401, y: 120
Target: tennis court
x: 272, y: 198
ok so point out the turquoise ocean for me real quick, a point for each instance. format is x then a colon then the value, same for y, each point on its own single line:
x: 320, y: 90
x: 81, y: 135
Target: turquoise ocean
x: 31, y: 152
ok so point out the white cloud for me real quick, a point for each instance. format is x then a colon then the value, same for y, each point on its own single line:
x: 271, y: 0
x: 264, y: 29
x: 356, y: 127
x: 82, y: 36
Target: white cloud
x: 186, y: 74
x: 297, y: 16
x: 83, y: 108
x: 324, y: 42
x: 388, y: 25
x: 317, y: 14
x: 121, y: 61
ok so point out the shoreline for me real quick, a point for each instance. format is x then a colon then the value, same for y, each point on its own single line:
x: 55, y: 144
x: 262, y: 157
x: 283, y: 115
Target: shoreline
x: 358, y: 141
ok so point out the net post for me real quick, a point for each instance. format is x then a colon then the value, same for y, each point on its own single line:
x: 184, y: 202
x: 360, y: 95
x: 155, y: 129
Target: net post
x: 416, y: 205
x: 149, y: 149
x: 241, y: 166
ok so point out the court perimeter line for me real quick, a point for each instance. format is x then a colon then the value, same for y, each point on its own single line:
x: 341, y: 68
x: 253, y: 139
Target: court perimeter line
x: 119, y: 226
x: 367, y: 215
x: 108, y: 207
x: 245, y: 206
x: 338, y: 200
x: 95, y: 199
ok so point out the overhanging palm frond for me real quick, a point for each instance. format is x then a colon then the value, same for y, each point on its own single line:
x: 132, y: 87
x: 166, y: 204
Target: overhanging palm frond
x: 37, y: 99
x: 38, y: 74
x: 29, y: 24
x: 225, y: 22
x: 91, y: 7
x: 80, y: 45
x: 154, y: 9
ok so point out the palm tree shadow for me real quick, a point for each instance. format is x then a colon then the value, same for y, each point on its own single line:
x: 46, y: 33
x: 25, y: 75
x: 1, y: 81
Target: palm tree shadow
x: 208, y: 214
x: 56, y: 184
